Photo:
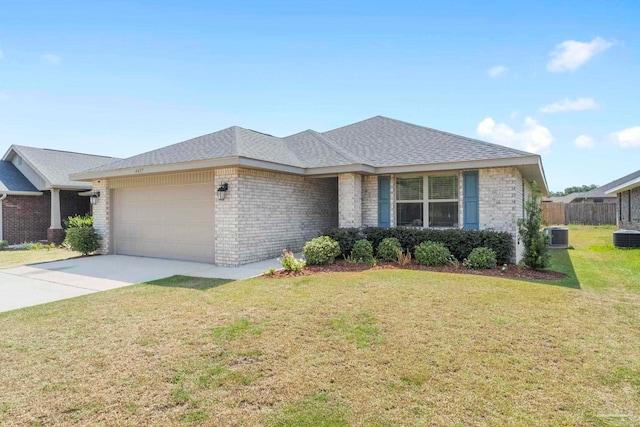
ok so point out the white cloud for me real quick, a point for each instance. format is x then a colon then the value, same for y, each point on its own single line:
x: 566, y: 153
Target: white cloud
x: 514, y: 114
x: 533, y: 137
x: 570, y: 55
x: 628, y: 138
x: 567, y: 104
x: 497, y: 70
x: 1, y: 54
x: 584, y: 141
x: 50, y: 58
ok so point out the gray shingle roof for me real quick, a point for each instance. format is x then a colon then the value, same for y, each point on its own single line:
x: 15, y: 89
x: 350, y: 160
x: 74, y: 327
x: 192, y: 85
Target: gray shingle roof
x: 381, y: 141
x: 600, y: 191
x: 230, y: 142
x: 56, y: 166
x: 12, y: 180
x: 318, y: 150
x: 378, y: 141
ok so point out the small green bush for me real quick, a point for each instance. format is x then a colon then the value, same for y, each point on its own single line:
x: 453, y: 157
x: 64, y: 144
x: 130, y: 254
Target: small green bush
x: 289, y: 262
x: 78, y: 221
x: 432, y: 254
x: 481, y: 258
x: 362, y: 251
x: 346, y: 238
x: 3, y: 244
x: 82, y: 239
x: 388, y: 249
x: 322, y: 250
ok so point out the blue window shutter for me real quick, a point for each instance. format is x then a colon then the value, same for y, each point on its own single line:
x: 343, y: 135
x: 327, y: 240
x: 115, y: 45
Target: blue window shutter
x: 471, y: 200
x: 384, y: 201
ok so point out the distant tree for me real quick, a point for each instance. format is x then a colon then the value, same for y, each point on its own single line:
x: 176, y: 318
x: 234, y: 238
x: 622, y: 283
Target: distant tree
x: 574, y: 189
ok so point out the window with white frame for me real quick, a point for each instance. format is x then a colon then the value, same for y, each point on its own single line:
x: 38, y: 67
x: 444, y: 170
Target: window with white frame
x: 438, y: 204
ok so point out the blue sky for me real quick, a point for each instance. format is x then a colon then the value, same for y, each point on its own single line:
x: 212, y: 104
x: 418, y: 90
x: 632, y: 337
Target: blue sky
x: 121, y: 78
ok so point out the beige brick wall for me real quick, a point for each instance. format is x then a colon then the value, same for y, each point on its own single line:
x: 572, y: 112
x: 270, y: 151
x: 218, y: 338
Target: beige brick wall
x: 500, y: 200
x: 349, y: 200
x: 370, y: 201
x: 227, y: 216
x: 275, y: 211
x: 102, y: 215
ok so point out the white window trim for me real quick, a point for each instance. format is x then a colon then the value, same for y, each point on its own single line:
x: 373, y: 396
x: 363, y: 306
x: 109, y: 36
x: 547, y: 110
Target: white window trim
x: 426, y: 200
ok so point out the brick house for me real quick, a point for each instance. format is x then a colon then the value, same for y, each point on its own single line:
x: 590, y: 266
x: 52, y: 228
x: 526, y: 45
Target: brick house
x: 36, y: 194
x: 627, y: 190
x: 238, y: 196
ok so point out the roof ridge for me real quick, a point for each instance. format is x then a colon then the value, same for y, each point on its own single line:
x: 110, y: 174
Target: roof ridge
x: 336, y: 147
x: 64, y: 151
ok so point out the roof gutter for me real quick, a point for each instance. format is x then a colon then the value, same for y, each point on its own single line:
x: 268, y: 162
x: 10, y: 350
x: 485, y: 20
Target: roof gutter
x: 21, y: 193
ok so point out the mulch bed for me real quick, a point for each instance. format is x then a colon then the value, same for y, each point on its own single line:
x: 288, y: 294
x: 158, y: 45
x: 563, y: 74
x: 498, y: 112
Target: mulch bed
x: 340, y: 266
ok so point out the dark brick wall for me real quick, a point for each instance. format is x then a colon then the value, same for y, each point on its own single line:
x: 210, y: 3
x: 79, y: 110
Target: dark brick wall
x: 71, y: 204
x: 26, y: 218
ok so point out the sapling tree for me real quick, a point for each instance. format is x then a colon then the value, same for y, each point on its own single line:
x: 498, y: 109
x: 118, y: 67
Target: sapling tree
x: 536, y: 249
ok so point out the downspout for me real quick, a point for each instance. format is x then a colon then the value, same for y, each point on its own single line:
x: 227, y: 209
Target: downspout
x: 2, y: 197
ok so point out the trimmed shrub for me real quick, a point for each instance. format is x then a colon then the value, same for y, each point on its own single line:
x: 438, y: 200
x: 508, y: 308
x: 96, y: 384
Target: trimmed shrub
x: 388, y: 249
x: 481, y: 258
x: 77, y: 221
x: 432, y: 254
x: 459, y: 242
x: 346, y: 238
x: 322, y: 250
x: 3, y: 244
x: 362, y: 251
x: 82, y: 239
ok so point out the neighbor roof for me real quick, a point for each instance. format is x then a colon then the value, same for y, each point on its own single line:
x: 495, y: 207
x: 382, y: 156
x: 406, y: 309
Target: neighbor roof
x: 12, y: 181
x: 55, y: 166
x: 376, y: 145
x: 625, y: 183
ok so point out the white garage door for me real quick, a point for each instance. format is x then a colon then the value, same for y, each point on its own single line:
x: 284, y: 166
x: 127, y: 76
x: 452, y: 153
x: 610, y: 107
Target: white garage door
x: 175, y: 222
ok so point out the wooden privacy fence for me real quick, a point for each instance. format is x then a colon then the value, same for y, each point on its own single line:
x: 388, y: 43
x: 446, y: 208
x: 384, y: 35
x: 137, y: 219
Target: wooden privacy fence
x: 579, y: 213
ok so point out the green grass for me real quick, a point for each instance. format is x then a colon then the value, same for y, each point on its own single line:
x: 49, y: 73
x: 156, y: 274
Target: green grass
x: 17, y: 258
x: 373, y: 348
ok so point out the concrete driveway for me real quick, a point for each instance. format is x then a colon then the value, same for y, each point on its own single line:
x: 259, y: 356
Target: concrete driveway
x: 40, y: 283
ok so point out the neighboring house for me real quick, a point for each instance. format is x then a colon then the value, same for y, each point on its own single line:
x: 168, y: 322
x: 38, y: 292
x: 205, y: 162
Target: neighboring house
x: 597, y: 195
x: 627, y: 191
x: 36, y: 193
x: 281, y: 192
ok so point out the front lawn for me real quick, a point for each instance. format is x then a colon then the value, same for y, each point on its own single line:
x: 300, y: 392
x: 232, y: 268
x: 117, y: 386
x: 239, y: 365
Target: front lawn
x: 15, y: 258
x: 373, y: 348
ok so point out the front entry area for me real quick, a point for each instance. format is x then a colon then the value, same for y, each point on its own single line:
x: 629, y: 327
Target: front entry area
x: 174, y: 222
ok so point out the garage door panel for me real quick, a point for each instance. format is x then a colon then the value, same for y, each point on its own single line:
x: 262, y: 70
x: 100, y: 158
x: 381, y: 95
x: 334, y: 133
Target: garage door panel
x: 174, y: 222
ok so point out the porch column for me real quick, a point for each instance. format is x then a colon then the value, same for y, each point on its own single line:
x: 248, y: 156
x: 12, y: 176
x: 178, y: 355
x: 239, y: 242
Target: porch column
x: 349, y: 200
x: 55, y: 233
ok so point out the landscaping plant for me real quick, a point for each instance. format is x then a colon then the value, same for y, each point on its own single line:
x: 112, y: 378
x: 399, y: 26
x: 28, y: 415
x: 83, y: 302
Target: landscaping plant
x: 322, y: 250
x: 433, y: 254
x: 289, y: 263
x: 481, y: 258
x: 536, y: 250
x: 82, y: 239
x: 362, y: 252
x: 388, y: 249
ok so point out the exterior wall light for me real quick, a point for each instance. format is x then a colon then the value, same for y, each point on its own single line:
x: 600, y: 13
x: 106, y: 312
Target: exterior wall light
x: 222, y: 190
x: 94, y: 197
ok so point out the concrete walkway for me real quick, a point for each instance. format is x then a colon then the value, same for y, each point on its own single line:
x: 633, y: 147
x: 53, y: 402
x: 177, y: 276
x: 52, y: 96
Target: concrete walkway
x: 40, y: 283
